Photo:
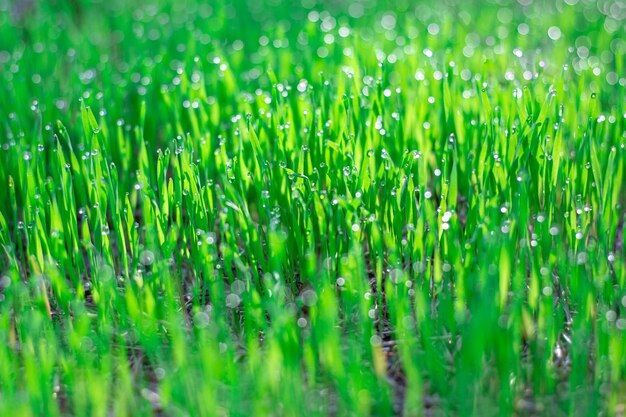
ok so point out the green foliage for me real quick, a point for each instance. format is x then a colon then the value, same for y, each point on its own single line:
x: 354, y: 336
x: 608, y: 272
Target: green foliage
x: 291, y: 208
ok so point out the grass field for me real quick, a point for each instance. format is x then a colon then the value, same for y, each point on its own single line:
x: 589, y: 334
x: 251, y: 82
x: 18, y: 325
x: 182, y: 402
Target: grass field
x: 308, y: 208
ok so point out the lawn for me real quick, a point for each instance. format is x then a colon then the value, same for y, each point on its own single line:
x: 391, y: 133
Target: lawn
x: 312, y: 208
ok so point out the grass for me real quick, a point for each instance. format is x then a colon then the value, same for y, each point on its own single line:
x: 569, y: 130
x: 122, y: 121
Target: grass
x: 275, y: 208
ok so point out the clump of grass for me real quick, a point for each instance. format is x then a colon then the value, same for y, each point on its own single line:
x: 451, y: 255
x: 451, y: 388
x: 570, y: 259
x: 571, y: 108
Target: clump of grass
x: 279, y: 208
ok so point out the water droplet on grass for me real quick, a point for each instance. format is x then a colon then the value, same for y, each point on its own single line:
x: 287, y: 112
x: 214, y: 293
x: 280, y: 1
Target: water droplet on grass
x: 308, y: 297
x: 146, y: 258
x: 232, y: 300
x: 376, y: 340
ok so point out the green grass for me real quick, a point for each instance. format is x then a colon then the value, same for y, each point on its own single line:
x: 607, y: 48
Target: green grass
x: 275, y: 208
